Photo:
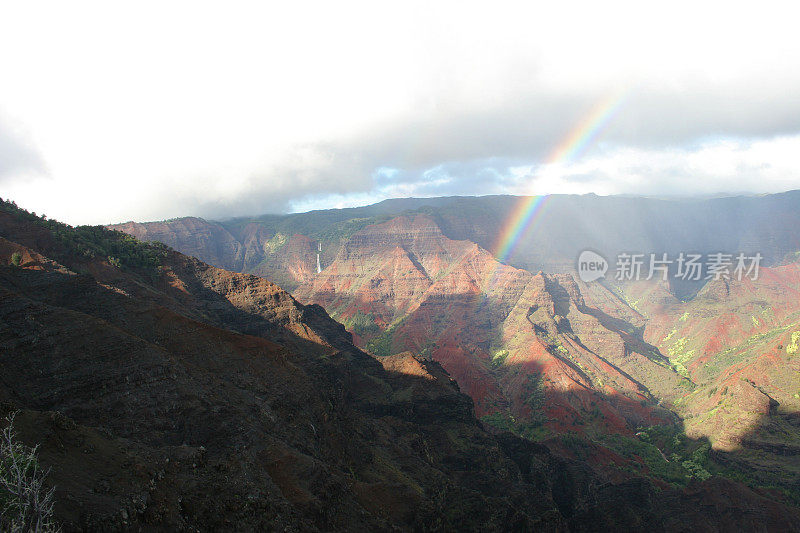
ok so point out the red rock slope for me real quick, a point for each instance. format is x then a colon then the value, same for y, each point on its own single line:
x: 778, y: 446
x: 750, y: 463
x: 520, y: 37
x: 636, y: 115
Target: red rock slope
x: 523, y: 345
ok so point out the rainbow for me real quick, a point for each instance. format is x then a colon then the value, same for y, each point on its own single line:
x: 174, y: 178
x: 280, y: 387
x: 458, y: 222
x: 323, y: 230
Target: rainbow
x: 530, y: 208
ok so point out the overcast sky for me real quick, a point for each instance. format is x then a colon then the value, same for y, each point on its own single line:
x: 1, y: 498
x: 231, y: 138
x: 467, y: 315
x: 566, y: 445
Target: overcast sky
x: 111, y: 112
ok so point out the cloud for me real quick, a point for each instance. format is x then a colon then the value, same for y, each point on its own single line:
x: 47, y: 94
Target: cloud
x: 709, y: 167
x: 17, y: 157
x: 266, y: 108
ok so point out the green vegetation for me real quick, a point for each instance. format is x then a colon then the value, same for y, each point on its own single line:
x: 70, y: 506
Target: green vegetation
x: 534, y: 389
x: 325, y: 226
x: 341, y: 231
x: 381, y: 345
x: 576, y: 444
x: 275, y: 243
x: 740, y: 352
x: 619, y: 291
x: 93, y: 242
x: 556, y: 348
x: 505, y: 421
x: 500, y: 420
x: 362, y: 324
x: 660, y: 452
x: 678, y: 355
x: 665, y: 452
x: 793, y: 347
x: 499, y: 357
x: 16, y: 259
x: 678, y: 347
x: 125, y: 250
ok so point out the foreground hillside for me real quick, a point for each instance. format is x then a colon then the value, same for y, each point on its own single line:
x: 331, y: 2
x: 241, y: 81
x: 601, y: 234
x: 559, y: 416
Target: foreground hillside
x: 168, y: 394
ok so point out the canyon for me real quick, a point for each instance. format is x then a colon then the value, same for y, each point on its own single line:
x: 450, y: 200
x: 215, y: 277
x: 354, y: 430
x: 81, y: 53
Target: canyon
x: 163, y: 393
x: 541, y: 353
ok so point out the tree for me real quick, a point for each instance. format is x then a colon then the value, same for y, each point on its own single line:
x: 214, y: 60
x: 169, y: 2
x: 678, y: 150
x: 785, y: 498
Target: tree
x: 16, y: 259
x: 25, y: 505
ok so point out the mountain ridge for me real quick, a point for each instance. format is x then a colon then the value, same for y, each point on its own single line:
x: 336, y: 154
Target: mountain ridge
x: 566, y: 225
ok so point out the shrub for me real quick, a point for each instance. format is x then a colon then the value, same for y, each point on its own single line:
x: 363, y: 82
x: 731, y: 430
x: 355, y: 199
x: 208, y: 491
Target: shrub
x: 362, y: 324
x: 381, y: 345
x: 16, y: 259
x: 694, y: 470
x: 25, y: 506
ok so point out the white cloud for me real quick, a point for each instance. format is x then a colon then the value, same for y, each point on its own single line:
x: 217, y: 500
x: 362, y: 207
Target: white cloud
x: 153, y: 110
x: 709, y: 167
x: 712, y: 166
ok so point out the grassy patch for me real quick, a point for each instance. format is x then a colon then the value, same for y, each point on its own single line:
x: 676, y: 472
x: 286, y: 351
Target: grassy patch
x: 793, y: 345
x: 678, y: 355
x: 499, y: 358
x: 275, y: 243
x: 741, y: 352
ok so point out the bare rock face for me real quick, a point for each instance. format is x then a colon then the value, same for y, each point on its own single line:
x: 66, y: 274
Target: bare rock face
x: 504, y: 334
x: 197, y: 237
x: 287, y: 259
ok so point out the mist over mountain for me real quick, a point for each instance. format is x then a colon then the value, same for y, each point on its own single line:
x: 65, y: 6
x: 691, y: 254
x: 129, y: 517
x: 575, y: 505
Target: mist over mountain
x: 563, y: 226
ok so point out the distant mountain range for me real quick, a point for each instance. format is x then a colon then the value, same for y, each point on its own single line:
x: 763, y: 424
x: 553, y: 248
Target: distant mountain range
x: 564, y: 226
